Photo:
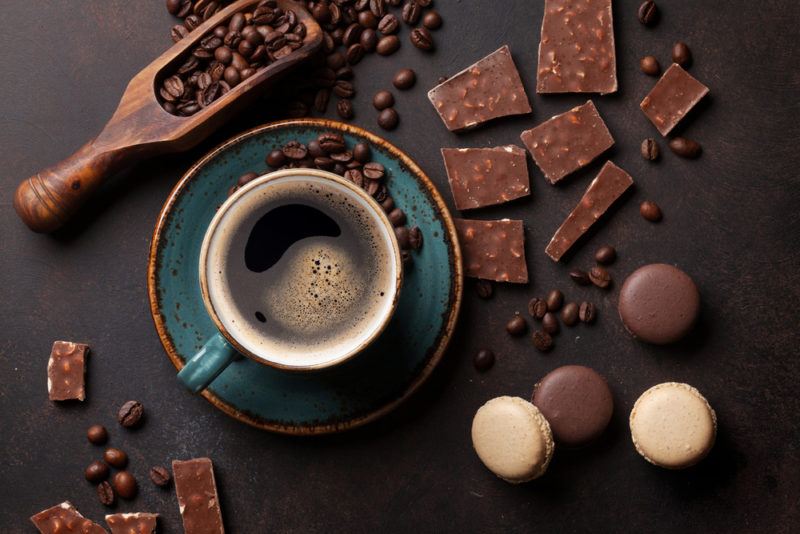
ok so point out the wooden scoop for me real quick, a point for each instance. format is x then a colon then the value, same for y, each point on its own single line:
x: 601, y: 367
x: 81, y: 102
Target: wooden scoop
x: 140, y: 127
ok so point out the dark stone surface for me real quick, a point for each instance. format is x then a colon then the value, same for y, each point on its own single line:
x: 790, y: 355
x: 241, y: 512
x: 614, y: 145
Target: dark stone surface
x: 731, y: 220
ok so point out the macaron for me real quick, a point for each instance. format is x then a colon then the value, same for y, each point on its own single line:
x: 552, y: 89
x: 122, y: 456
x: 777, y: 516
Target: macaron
x: 577, y: 403
x: 673, y: 426
x: 512, y: 439
x: 659, y: 303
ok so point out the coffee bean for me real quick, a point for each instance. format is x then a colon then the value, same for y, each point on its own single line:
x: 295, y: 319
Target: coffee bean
x: 387, y: 45
x: 422, y: 39
x: 331, y: 143
x: 362, y: 152
x: 354, y: 176
x: 388, y: 25
x: 355, y: 53
x: 586, y: 312
x: 321, y: 13
x: 649, y: 65
x: 295, y: 150
x: 681, y: 54
x: 388, y: 205
x: 537, y: 308
x: 345, y: 108
x: 115, y: 457
x: 542, y: 341
x: 232, y: 76
x: 685, y: 148
x: 130, y: 414
x: 173, y: 6
x: 517, y: 326
x: 367, y: 19
x: 605, y: 255
x: 398, y: 218
x: 105, y: 493
x: 97, y: 434
x: 160, y: 476
x: 554, y: 300
x: 404, y: 79
x: 550, y: 323
x: 650, y: 211
x: 388, y: 119
x: 352, y: 34
x: 411, y: 12
x: 483, y: 360
x: 276, y: 159
x: 484, y: 289
x: 369, y: 40
x: 378, y: 7
x: 178, y: 32
x: 125, y: 485
x: 600, y: 277
x: 321, y: 100
x: 432, y: 20
x: 580, y: 277
x: 374, y: 170
x: 649, y: 149
x: 402, y: 235
x: 96, y: 471
x: 569, y: 314
x: 648, y: 13
x: 415, y: 237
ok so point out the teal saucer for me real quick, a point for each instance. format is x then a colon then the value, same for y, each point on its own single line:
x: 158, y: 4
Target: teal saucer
x: 331, y: 400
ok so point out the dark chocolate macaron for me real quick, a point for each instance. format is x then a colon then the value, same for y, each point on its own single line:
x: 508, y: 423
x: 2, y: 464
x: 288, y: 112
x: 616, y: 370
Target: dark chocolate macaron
x: 577, y: 403
x: 659, y: 303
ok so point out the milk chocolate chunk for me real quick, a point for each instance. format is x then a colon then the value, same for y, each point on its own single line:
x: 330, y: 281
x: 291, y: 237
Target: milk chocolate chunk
x: 673, y: 96
x: 66, y: 370
x: 488, y: 89
x: 136, y: 523
x: 493, y: 250
x: 486, y: 176
x: 576, y: 50
x: 197, y: 496
x: 567, y: 142
x: 65, y: 519
x: 606, y: 188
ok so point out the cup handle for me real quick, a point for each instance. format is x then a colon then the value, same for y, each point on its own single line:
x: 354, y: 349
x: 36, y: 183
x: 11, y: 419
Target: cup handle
x: 215, y: 356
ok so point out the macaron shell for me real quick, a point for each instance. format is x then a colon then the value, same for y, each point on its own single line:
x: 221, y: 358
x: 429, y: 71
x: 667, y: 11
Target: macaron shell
x: 513, y: 439
x: 673, y: 426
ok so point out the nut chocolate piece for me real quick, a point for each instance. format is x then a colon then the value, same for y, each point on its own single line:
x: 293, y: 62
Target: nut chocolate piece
x: 197, y: 496
x: 606, y: 188
x: 567, y: 142
x: 65, y: 519
x: 66, y: 370
x: 488, y: 89
x: 486, y: 176
x: 136, y: 523
x: 576, y: 50
x: 673, y: 96
x: 493, y: 250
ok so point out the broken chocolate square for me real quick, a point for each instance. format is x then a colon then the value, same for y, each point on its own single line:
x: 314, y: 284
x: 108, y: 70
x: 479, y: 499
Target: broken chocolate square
x: 673, y: 96
x: 604, y: 190
x: 65, y: 371
x: 576, y: 50
x: 486, y: 176
x: 567, y: 142
x: 136, y: 523
x: 197, y: 496
x: 493, y: 250
x: 65, y: 519
x: 488, y: 89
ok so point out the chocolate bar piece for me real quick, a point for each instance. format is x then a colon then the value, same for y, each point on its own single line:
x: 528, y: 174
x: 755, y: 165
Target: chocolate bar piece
x: 486, y: 176
x: 65, y: 519
x: 197, y: 496
x: 488, y: 89
x: 136, y: 523
x: 65, y: 371
x: 606, y: 188
x: 565, y: 143
x: 493, y: 250
x: 576, y: 50
x: 673, y: 96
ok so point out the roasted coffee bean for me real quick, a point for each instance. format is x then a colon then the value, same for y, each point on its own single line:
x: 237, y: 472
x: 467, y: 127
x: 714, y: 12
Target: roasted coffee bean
x: 432, y: 20
x: 97, y: 434
x: 314, y: 150
x: 96, y: 471
x: 404, y: 79
x: 483, y: 360
x: 383, y: 99
x: 362, y: 152
x: 517, y: 326
x: 388, y: 205
x: 224, y: 55
x: 650, y: 211
x: 174, y: 86
x: 388, y: 45
x: 345, y: 156
x: 550, y: 323
x: 649, y: 65
x: 321, y: 100
x: 422, y: 39
x: 206, y: 96
x: 325, y: 163
x: 174, y: 6
x: 537, y: 308
x: 484, y: 289
x: 344, y: 89
x: 345, y: 73
x: 374, y: 170
x: 321, y: 13
x: 237, y: 22
x: 354, y: 176
x: 648, y: 13
x: 368, y: 40
x: 125, y: 485
x: 554, y: 300
x: 160, y: 476
x: 600, y: 277
x: 351, y: 34
x: 398, y: 218
x: 388, y: 119
x: 276, y: 159
x: 681, y: 54
x: 378, y: 7
x: 367, y: 19
x: 586, y: 312
x: 542, y: 341
x: 115, y: 457
x: 649, y: 149
x: 355, y: 53
x: 331, y: 142
x: 130, y: 414
x: 105, y: 493
x: 685, y: 148
x: 232, y: 76
x: 388, y: 25
x: 377, y: 191
x: 178, y: 32
x: 415, y: 237
x: 569, y: 314
x: 191, y: 22
x: 580, y: 277
x: 402, y: 235
x: 246, y: 178
x: 295, y: 150
x: 605, y: 255
x: 411, y: 12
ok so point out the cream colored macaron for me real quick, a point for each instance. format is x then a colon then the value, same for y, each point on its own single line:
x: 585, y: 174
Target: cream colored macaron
x: 513, y: 439
x: 673, y: 426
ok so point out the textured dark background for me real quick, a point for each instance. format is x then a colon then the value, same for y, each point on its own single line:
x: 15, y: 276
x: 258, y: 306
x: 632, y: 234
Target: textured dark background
x: 731, y: 221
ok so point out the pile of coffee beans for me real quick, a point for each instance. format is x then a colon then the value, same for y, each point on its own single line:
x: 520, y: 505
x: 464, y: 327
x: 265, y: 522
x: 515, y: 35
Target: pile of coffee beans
x: 546, y: 310
x: 329, y: 152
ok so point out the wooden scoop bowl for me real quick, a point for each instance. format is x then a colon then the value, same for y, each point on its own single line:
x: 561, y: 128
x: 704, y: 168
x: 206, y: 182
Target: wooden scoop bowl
x: 140, y: 127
